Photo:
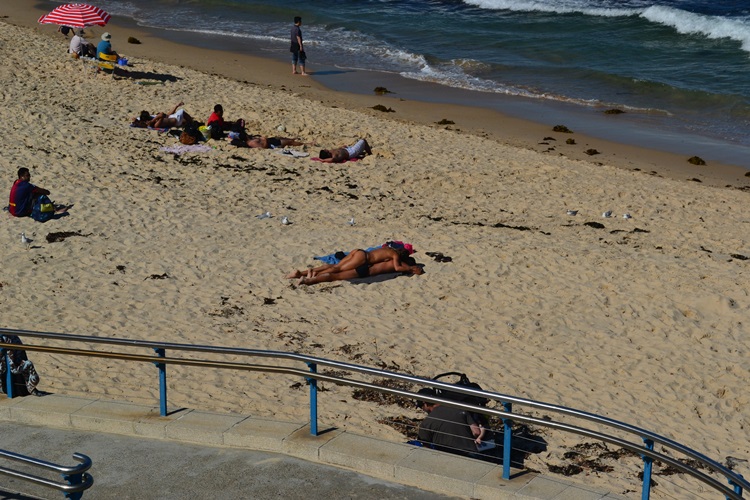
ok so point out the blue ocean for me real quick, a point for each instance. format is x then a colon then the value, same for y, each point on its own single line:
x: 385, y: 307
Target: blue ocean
x: 679, y: 68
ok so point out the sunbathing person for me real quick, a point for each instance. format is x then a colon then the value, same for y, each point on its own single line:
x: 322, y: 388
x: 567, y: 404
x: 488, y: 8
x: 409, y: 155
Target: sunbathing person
x: 360, y: 260
x: 339, y: 155
x: 175, y: 118
x: 263, y: 142
x: 360, y: 272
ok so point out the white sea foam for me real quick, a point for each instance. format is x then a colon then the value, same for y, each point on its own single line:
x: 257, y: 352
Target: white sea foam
x: 558, y: 7
x: 710, y: 26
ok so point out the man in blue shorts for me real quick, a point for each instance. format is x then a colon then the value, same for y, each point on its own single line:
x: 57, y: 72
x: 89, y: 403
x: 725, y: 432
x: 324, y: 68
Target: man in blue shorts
x: 297, y: 49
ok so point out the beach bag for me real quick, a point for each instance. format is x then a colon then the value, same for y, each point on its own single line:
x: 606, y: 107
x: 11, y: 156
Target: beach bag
x: 191, y: 134
x: 43, y: 209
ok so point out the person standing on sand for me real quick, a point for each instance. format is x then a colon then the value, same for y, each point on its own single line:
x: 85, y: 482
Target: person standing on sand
x: 297, y: 49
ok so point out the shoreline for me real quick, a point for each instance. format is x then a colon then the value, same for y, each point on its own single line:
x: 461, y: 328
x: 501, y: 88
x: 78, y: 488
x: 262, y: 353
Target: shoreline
x: 505, y: 128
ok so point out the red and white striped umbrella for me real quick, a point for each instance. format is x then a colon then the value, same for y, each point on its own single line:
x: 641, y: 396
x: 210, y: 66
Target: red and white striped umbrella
x: 76, y: 15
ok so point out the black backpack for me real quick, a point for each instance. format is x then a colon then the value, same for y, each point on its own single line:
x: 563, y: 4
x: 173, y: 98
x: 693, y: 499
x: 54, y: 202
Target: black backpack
x: 463, y: 380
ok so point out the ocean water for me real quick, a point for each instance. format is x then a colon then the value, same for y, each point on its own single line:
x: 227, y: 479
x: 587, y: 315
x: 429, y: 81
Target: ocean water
x: 679, y: 68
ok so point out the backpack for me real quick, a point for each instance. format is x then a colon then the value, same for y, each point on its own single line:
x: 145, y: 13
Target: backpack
x: 457, y: 396
x: 43, y: 209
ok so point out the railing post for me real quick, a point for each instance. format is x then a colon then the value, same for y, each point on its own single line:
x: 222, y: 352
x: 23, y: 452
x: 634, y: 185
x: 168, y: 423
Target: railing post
x: 162, y: 382
x: 8, y: 375
x: 507, y: 441
x: 737, y: 488
x: 74, y: 479
x: 647, y: 465
x: 313, y: 399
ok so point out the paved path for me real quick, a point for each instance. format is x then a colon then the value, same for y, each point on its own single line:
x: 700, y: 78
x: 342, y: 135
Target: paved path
x: 127, y: 467
x: 139, y: 454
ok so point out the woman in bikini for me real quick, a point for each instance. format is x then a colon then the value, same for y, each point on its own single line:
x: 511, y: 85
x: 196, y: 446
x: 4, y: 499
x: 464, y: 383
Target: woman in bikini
x: 373, y: 270
x: 360, y: 261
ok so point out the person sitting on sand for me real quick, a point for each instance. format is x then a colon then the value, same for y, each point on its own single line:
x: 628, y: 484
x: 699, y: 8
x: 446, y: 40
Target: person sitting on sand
x: 339, y: 155
x: 23, y: 194
x: 387, y: 267
x: 219, y: 126
x: 79, y: 47
x: 175, y: 118
x: 361, y: 260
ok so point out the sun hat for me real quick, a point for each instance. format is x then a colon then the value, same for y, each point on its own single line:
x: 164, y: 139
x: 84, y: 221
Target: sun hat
x: 106, y: 36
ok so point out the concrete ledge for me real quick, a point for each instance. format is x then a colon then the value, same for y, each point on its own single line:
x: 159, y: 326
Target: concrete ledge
x: 302, y: 444
x: 436, y: 471
x: 201, y: 427
x: 51, y: 410
x: 260, y: 434
x: 364, y: 454
x: 110, y: 416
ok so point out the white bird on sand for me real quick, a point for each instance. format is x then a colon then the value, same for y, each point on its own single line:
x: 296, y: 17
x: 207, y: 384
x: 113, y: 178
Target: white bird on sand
x: 285, y: 220
x: 351, y: 221
x: 264, y: 215
x: 627, y: 216
x: 25, y: 240
x: 572, y: 212
x: 607, y: 214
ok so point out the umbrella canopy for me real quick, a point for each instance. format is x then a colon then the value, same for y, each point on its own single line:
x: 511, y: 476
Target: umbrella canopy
x: 76, y: 15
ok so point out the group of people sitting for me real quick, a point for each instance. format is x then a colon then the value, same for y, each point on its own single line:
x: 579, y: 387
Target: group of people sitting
x: 234, y: 131
x: 79, y: 47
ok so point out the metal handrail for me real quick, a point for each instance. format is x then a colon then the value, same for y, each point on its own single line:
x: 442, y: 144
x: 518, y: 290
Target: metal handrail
x: 79, y: 480
x: 647, y: 436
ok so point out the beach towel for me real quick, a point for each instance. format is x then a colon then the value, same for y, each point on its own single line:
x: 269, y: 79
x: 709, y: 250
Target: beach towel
x: 293, y: 153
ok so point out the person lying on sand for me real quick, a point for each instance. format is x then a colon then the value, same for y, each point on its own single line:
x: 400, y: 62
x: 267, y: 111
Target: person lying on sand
x: 339, y: 155
x: 175, y: 118
x: 360, y: 260
x: 263, y: 142
x: 360, y: 272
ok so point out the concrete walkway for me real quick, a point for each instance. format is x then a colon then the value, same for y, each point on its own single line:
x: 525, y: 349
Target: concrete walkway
x: 137, y: 453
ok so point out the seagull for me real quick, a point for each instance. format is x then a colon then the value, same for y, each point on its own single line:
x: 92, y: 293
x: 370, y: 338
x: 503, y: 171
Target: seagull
x: 351, y: 221
x: 285, y: 220
x: 627, y: 216
x: 572, y: 212
x: 264, y: 215
x: 607, y: 214
x: 25, y: 240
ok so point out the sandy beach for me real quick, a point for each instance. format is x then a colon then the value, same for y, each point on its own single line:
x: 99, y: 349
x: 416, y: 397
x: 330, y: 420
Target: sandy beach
x: 640, y: 319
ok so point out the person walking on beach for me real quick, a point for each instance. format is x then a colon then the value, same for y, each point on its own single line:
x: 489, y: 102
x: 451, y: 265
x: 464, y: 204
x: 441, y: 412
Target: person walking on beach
x: 298, y: 49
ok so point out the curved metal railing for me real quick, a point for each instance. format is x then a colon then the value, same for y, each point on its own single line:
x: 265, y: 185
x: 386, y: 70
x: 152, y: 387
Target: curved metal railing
x: 646, y: 450
x: 78, y: 480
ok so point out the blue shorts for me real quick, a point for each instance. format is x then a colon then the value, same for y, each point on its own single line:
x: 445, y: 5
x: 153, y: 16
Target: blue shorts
x: 299, y: 56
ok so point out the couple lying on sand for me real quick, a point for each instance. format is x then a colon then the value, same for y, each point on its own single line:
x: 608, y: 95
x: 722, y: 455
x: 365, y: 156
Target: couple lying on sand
x: 360, y: 264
